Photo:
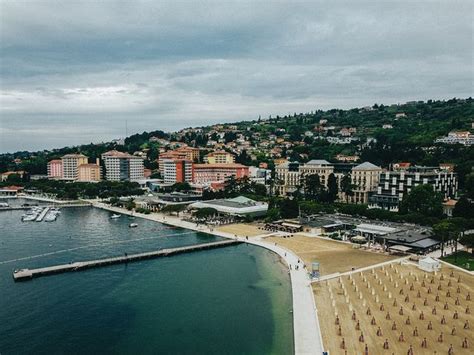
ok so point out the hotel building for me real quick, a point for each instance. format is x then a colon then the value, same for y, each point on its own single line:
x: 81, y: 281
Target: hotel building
x: 55, y: 169
x: 70, y: 164
x: 204, y: 174
x: 393, y: 185
x: 177, y: 170
x: 89, y: 172
x: 219, y: 157
x: 121, y: 166
x: 365, y: 179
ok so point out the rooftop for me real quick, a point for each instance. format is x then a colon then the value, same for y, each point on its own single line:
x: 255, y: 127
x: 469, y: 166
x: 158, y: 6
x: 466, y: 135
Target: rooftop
x: 367, y: 166
x: 117, y: 154
x: 318, y: 162
x: 228, y: 166
x: 74, y: 156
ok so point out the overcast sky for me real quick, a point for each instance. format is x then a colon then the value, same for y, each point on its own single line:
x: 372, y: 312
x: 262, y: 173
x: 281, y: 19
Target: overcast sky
x: 74, y: 71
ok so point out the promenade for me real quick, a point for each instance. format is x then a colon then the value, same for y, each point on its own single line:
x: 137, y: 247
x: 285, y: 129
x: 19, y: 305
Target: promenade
x: 307, y: 334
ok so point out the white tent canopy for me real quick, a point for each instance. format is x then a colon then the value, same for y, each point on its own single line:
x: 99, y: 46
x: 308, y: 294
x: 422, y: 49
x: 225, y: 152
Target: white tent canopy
x: 429, y: 264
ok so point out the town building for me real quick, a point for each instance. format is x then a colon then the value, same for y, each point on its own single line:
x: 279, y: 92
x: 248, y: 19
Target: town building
x: 89, y: 172
x: 457, y: 137
x: 219, y: 157
x: 323, y: 168
x: 121, y: 166
x: 190, y: 153
x: 55, y: 169
x: 206, y: 173
x: 8, y: 174
x: 365, y: 179
x: 393, y: 185
x: 259, y: 175
x: 290, y: 177
x: 11, y: 190
x: 347, y: 158
x: 177, y: 170
x: 287, y: 177
x: 70, y: 164
x: 171, y: 154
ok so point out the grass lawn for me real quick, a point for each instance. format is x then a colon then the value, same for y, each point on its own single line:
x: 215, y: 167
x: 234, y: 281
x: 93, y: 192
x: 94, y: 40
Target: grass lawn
x: 464, y: 260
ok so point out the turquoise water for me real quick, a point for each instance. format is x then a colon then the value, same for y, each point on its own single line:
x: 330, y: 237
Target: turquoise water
x: 232, y: 300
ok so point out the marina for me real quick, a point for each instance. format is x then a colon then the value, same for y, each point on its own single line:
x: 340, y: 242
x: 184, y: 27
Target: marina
x: 165, y: 299
x: 28, y: 274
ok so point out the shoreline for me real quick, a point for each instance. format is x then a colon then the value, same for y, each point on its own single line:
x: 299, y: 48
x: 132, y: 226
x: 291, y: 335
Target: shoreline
x: 306, y: 331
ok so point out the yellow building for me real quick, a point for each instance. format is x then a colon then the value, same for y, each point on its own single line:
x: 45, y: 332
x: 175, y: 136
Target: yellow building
x: 219, y: 157
x: 88, y: 173
x: 70, y: 164
x: 190, y: 152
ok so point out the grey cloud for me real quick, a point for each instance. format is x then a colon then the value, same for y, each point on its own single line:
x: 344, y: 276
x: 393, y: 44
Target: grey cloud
x: 166, y: 65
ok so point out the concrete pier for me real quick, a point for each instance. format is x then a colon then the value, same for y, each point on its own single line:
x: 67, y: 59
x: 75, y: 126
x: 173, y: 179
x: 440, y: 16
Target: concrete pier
x: 28, y: 274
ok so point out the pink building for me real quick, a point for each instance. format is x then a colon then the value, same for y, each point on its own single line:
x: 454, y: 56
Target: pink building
x: 207, y: 173
x: 55, y: 169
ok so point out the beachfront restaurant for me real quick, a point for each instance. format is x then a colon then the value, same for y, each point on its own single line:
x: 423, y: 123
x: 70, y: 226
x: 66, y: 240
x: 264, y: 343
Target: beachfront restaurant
x: 405, y: 240
x: 284, y: 226
x: 239, y: 206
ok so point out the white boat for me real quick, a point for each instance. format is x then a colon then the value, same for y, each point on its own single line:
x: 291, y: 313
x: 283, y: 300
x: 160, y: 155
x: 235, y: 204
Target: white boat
x: 42, y: 214
x: 133, y: 225
x: 51, y: 216
x: 115, y: 216
x: 4, y: 204
x: 29, y: 217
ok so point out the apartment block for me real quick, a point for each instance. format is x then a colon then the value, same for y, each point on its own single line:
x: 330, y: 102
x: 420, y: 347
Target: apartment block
x: 70, y: 164
x: 204, y: 174
x: 55, y: 169
x: 219, y: 157
x: 177, y: 170
x: 393, y: 185
x: 121, y: 166
x: 89, y: 172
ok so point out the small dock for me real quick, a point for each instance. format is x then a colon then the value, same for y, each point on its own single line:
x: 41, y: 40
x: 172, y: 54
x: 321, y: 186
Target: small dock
x: 28, y: 274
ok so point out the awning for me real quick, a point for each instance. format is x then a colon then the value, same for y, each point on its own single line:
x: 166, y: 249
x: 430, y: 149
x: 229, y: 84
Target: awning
x: 291, y: 225
x: 399, y: 248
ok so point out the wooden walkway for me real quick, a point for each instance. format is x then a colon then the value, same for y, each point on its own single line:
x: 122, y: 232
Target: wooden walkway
x: 28, y: 274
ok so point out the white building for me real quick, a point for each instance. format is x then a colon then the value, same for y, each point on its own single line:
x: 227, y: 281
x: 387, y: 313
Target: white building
x: 365, y: 178
x: 177, y: 170
x: 121, y: 166
x: 457, y: 137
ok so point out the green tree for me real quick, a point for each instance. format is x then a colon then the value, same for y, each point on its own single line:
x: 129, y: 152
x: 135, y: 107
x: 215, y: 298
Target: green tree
x: 347, y: 187
x: 312, y: 186
x: 289, y: 208
x: 424, y: 200
x: 181, y: 186
x: 273, y: 214
x: 469, y: 185
x: 333, y: 189
x: 445, y: 231
x: 130, y: 204
x: 205, y: 212
x: 468, y: 241
x: 464, y: 208
x: 177, y: 208
x: 309, y: 207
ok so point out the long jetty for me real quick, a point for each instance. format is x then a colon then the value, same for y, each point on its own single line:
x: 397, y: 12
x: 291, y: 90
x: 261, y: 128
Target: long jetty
x: 28, y: 274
